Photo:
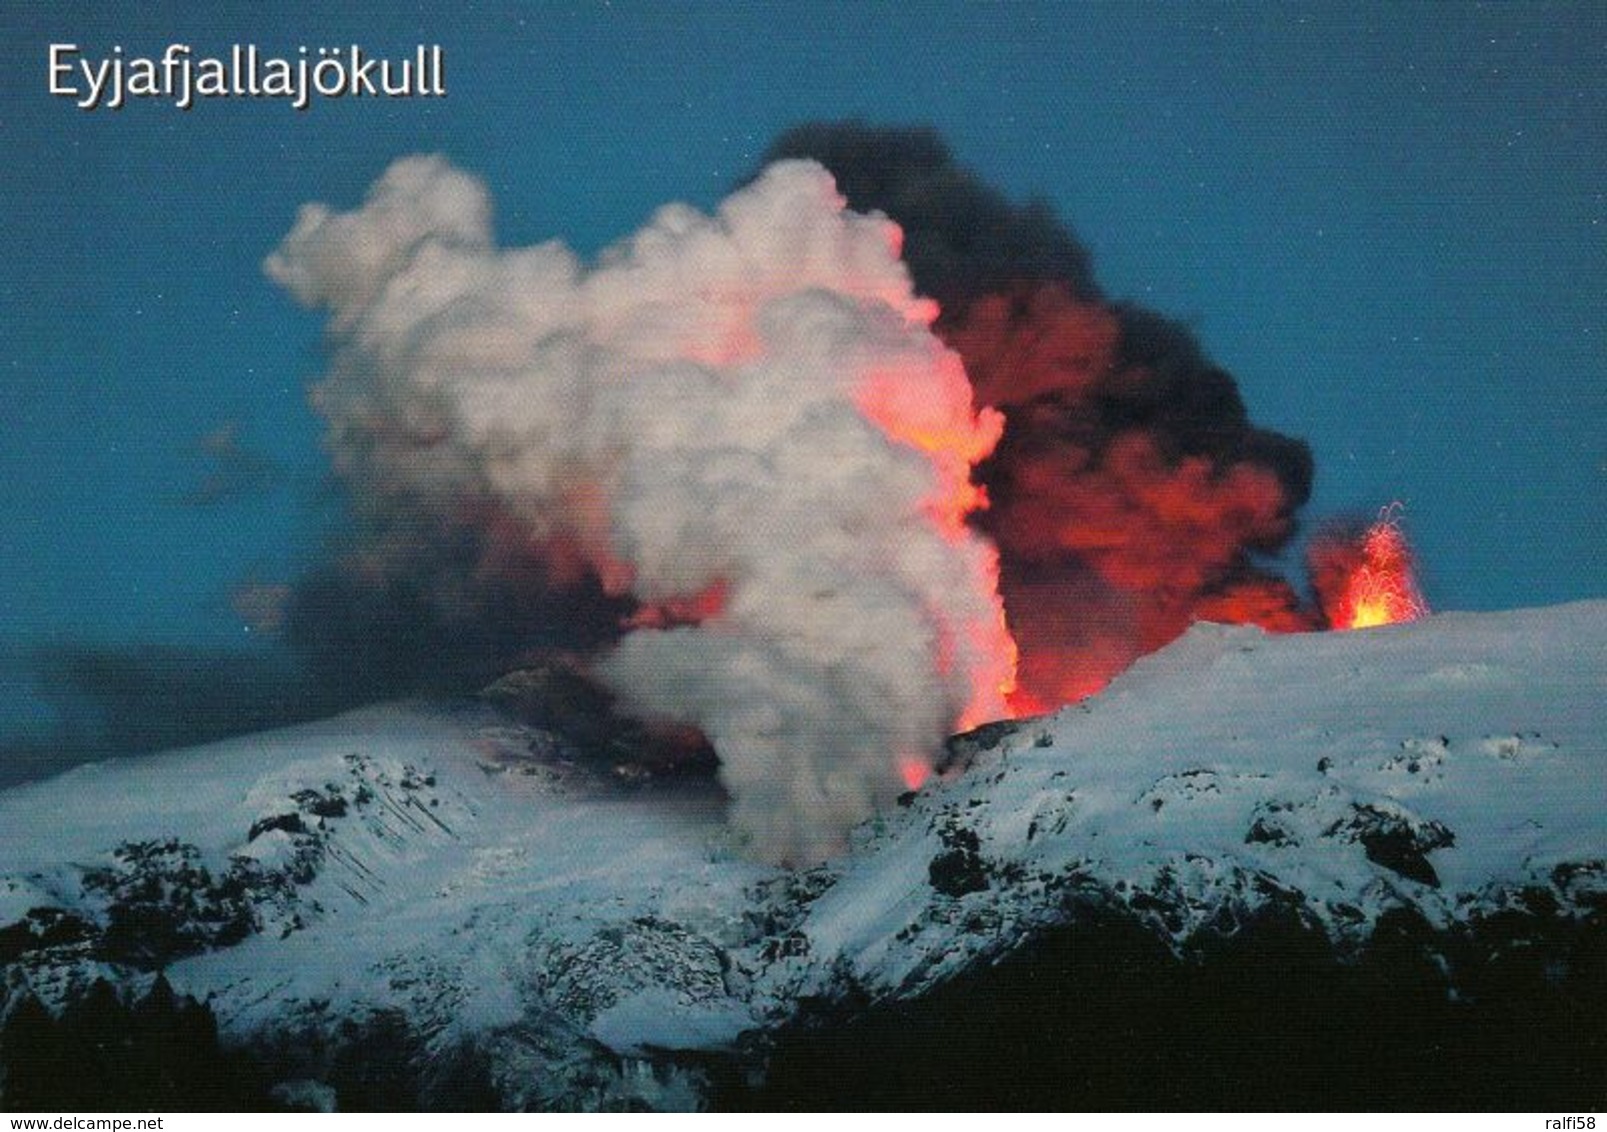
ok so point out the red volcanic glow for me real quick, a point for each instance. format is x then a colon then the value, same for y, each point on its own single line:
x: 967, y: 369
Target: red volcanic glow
x: 1376, y: 583
x: 1023, y: 703
x: 953, y: 437
x: 693, y: 609
x: 913, y: 772
x: 947, y: 431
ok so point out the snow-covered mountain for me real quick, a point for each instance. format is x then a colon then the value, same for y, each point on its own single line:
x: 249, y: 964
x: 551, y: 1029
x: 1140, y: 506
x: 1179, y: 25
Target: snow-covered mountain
x: 580, y: 937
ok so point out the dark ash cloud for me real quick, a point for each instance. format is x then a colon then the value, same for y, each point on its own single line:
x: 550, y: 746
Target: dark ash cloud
x: 1131, y: 494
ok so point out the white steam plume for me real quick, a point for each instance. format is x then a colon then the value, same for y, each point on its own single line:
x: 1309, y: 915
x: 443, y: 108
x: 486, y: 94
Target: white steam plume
x: 747, y: 409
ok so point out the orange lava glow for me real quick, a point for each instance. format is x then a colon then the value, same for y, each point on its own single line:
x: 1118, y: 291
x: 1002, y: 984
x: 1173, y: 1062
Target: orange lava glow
x: 913, y: 772
x: 693, y: 609
x: 946, y: 430
x: 1023, y: 703
x: 938, y: 421
x: 1381, y: 588
x: 992, y: 696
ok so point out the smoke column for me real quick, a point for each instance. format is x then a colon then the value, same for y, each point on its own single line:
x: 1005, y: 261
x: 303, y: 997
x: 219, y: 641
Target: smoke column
x: 740, y: 426
x: 1130, y: 494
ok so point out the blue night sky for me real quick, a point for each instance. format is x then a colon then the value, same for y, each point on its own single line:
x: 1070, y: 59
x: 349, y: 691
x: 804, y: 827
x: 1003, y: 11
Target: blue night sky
x: 1387, y: 221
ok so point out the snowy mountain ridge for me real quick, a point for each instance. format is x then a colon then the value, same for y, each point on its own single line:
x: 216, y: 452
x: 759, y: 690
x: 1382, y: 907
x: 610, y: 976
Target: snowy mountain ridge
x: 598, y: 942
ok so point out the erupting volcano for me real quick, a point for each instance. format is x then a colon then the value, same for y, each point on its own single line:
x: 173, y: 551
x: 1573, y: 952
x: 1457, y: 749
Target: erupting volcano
x: 1367, y: 578
x: 739, y: 427
x: 861, y: 459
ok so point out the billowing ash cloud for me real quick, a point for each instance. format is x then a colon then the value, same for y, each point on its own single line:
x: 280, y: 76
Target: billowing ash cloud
x: 739, y: 428
x: 1130, y: 491
x: 962, y: 239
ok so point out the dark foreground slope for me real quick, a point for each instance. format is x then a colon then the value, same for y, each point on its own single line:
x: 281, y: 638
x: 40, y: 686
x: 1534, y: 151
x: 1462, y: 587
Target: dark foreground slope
x: 1098, y: 1014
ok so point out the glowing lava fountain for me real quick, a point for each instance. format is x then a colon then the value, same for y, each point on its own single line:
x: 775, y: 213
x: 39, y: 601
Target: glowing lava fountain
x: 1377, y: 583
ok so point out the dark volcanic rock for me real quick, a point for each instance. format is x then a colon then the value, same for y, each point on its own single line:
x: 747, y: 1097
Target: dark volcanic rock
x: 579, y: 717
x: 1099, y: 1014
x: 161, y: 903
x: 42, y: 929
x: 1396, y: 840
x: 959, y: 868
